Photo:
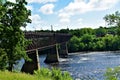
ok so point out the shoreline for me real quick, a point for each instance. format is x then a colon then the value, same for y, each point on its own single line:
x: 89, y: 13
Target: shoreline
x: 84, y: 52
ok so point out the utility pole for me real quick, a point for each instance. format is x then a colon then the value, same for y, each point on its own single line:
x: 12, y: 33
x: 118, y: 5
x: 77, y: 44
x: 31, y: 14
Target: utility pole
x: 51, y: 28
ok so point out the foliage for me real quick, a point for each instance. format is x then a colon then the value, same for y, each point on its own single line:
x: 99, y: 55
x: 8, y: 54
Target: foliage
x: 42, y: 74
x: 108, y: 42
x: 3, y: 59
x: 5, y: 75
x: 54, y: 74
x: 113, y: 19
x: 100, y: 39
x: 112, y: 74
x: 74, y: 44
x: 13, y: 17
x: 81, y: 32
x: 100, y: 32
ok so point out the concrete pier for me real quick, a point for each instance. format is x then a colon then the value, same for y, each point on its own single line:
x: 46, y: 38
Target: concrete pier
x: 52, y: 55
x: 63, y: 52
x: 34, y: 64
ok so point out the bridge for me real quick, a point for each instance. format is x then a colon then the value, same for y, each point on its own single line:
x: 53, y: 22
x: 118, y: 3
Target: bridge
x: 55, y: 43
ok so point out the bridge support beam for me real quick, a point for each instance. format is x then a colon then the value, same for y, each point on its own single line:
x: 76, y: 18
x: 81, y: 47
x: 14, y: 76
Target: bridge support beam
x: 52, y: 55
x: 63, y: 50
x: 34, y: 64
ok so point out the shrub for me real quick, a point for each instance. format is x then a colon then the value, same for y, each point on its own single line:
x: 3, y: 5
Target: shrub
x: 54, y: 74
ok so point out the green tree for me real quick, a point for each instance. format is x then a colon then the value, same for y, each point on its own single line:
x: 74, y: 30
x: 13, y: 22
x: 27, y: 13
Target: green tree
x: 87, y: 38
x: 12, y: 38
x: 74, y: 44
x: 113, y: 19
x: 3, y: 59
x: 100, y: 32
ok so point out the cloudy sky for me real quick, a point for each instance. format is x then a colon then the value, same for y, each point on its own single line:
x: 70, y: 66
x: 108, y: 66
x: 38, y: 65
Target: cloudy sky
x: 73, y: 14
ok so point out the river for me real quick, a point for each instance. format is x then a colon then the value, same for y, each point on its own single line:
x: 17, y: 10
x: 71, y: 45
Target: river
x: 86, y: 66
x: 91, y: 65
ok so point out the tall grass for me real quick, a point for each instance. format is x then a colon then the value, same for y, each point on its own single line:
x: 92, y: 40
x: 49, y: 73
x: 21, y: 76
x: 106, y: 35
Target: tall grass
x: 42, y: 74
x: 54, y: 74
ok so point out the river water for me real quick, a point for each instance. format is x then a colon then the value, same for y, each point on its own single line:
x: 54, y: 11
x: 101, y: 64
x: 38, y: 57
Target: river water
x: 86, y: 66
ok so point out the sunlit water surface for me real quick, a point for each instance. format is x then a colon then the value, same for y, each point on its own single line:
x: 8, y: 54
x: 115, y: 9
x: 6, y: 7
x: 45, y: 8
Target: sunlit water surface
x: 86, y: 66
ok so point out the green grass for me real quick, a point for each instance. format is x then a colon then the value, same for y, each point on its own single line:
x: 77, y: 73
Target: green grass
x: 43, y: 74
x: 19, y: 76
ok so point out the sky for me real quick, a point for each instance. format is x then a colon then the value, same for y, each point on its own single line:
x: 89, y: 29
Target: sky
x: 72, y: 14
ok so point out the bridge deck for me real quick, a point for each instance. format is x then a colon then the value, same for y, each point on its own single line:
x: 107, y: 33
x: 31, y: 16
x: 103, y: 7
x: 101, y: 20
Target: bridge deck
x: 41, y: 40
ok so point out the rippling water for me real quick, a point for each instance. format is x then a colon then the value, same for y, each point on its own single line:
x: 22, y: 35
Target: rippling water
x: 84, y: 66
x: 89, y: 66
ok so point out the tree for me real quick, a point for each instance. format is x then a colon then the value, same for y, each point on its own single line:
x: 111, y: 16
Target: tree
x: 114, y: 19
x: 3, y: 59
x: 100, y: 32
x: 74, y: 44
x: 12, y: 40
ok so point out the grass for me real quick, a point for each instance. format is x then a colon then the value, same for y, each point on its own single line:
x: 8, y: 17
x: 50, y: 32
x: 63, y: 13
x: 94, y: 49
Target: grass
x: 43, y: 74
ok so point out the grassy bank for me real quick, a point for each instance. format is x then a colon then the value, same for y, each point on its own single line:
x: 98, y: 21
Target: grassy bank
x: 43, y: 74
x: 19, y: 76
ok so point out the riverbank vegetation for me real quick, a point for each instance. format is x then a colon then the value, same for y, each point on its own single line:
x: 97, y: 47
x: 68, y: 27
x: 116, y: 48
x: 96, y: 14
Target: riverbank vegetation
x: 100, y: 39
x: 42, y: 74
x: 112, y: 73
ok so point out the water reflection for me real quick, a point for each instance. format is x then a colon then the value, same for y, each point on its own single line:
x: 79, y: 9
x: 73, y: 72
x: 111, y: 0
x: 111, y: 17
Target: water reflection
x: 87, y: 66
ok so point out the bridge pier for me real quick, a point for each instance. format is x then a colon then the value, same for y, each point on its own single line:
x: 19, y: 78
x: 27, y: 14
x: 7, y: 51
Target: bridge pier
x: 34, y: 64
x: 63, y: 50
x: 52, y: 55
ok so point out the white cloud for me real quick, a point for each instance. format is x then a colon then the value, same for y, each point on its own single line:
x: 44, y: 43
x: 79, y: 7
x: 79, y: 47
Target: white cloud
x: 81, y: 6
x: 36, y: 22
x: 64, y: 18
x: 40, y: 1
x: 36, y: 19
x: 47, y: 9
x: 79, y: 21
x: 30, y: 8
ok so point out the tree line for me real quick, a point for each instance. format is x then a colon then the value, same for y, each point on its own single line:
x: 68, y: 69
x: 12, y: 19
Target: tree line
x: 100, y: 39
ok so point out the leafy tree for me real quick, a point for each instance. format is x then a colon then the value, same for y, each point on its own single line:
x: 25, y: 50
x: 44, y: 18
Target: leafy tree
x: 87, y: 38
x: 74, y: 44
x: 114, y: 19
x: 3, y: 59
x: 12, y: 40
x: 100, y: 32
x: 84, y: 31
x: 63, y: 30
x: 81, y: 46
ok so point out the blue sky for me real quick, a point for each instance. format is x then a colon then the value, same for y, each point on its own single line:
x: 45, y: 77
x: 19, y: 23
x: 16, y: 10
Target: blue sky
x: 73, y: 14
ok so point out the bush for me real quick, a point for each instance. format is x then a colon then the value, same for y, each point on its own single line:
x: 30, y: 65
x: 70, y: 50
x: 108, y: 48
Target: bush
x: 112, y: 74
x: 54, y: 74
